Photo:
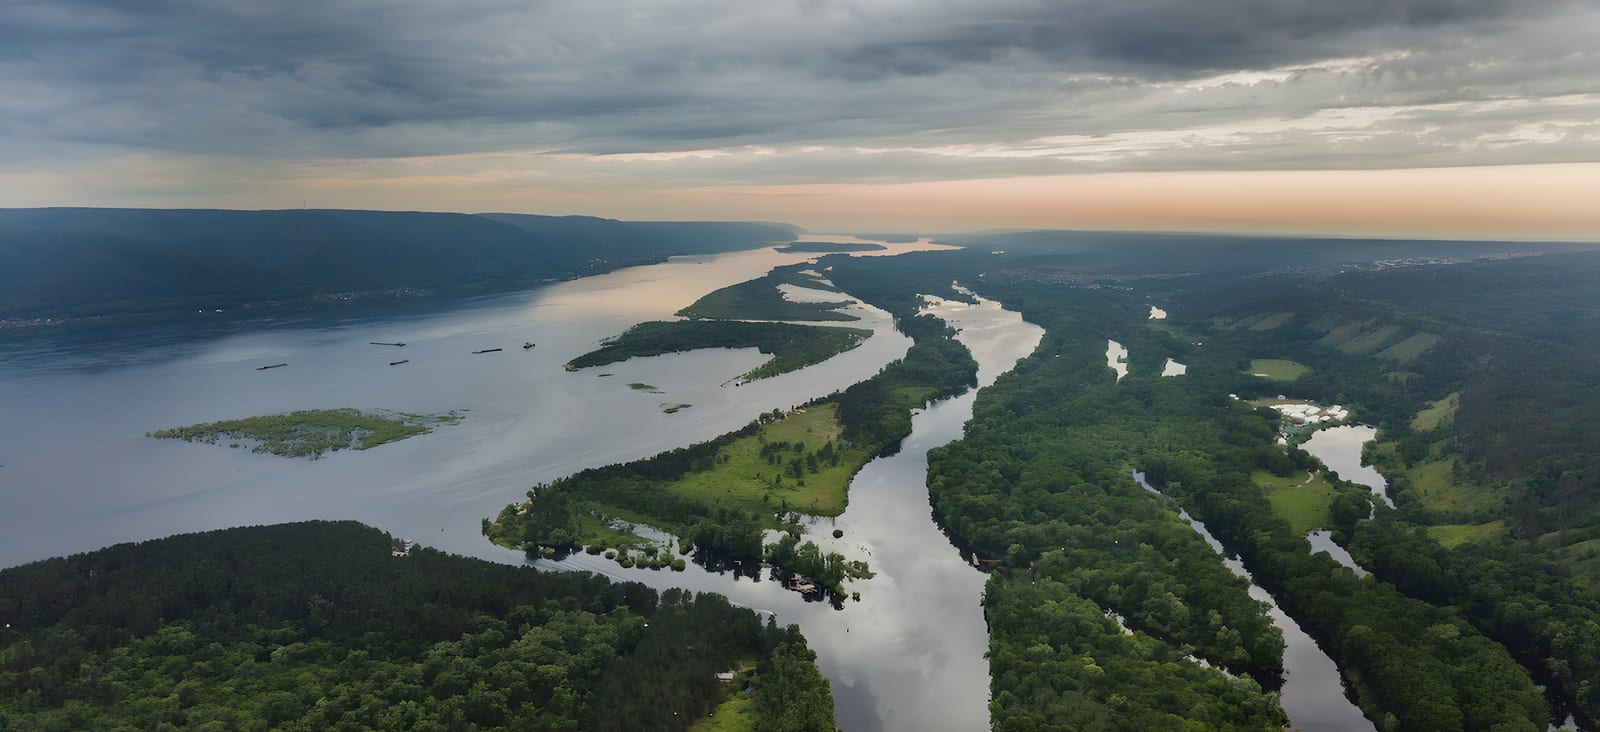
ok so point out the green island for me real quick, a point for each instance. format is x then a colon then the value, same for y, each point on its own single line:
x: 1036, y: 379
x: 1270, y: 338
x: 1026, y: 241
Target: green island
x: 325, y: 625
x: 760, y: 299
x: 826, y: 247
x: 791, y: 346
x: 719, y: 496
x: 309, y: 433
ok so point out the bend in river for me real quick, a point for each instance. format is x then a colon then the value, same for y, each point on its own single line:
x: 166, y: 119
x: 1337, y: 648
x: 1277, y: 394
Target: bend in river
x: 909, y: 655
x: 79, y: 473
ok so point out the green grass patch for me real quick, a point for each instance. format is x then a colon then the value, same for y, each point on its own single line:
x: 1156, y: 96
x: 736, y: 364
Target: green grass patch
x: 744, y: 478
x: 1368, y: 342
x: 760, y: 299
x: 1411, y: 348
x: 1304, y: 504
x: 311, y: 432
x: 791, y: 346
x: 1583, y: 560
x: 1437, y: 413
x: 610, y: 534
x: 1278, y: 369
x: 1272, y: 321
x: 1435, y: 484
x: 737, y: 713
x: 1341, y: 334
x: 1452, y: 535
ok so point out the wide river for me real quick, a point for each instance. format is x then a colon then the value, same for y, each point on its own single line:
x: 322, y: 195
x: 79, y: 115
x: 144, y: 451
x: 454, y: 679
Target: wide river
x: 77, y: 472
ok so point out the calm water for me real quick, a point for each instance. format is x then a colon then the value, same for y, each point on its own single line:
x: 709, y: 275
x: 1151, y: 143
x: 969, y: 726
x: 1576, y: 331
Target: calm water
x: 1313, y: 690
x: 1339, y: 448
x: 78, y: 473
x: 910, y: 654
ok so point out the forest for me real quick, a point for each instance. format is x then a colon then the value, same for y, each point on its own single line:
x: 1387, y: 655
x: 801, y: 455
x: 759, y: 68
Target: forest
x: 325, y: 625
x: 760, y: 298
x: 103, y: 266
x: 791, y: 346
x: 1457, y: 636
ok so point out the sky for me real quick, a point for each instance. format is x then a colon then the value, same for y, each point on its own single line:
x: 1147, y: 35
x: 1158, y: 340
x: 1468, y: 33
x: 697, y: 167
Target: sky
x: 1472, y: 118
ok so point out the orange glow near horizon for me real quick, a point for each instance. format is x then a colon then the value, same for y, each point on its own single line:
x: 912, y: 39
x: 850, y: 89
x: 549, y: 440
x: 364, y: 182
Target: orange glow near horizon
x: 1493, y: 202
x: 1544, y: 201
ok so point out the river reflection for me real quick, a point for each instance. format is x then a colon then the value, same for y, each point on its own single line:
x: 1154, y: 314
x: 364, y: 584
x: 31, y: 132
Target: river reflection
x: 1313, y: 690
x: 1339, y: 448
x: 909, y: 655
x: 77, y: 473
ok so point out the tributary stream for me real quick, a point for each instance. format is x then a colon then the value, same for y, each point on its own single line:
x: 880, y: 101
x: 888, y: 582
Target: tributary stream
x: 1313, y: 692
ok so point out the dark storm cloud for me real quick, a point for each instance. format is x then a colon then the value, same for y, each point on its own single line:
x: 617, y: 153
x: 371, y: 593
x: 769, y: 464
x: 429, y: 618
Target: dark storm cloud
x: 1172, y: 38
x: 927, y: 85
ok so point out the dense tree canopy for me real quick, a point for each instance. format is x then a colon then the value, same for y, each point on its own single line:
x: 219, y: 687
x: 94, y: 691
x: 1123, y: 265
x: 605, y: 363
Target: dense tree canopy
x: 322, y: 626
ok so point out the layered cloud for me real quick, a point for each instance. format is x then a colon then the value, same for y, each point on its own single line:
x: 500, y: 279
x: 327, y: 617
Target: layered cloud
x: 730, y: 92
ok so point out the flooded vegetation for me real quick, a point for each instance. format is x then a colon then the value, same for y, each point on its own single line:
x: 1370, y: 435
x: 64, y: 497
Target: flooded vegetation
x: 309, y: 433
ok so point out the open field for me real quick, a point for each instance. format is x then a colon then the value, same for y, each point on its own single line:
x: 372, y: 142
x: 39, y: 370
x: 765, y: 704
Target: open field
x: 1341, y: 334
x: 1411, y: 348
x: 744, y: 476
x: 1272, y: 321
x: 1368, y: 342
x: 1584, y: 560
x: 1305, y: 505
x: 1437, y: 413
x: 1434, y: 484
x: 1278, y: 369
x: 1451, y: 535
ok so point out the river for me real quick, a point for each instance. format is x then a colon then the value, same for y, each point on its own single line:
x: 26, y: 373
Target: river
x: 909, y: 655
x: 77, y: 472
x: 1313, y: 690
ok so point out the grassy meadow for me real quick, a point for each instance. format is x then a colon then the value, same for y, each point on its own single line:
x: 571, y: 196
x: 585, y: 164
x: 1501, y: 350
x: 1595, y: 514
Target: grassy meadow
x: 1278, y: 369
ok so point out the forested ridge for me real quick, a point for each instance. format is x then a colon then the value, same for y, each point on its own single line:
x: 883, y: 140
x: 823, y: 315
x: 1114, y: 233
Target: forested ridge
x: 1039, y: 484
x: 75, y: 263
x: 320, y: 626
x: 1485, y: 437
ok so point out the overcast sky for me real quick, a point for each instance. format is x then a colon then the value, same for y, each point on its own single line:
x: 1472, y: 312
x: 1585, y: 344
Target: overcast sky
x: 930, y: 115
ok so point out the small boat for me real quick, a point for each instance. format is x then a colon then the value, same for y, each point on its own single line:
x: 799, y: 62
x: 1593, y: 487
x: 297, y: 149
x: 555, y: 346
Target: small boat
x: 273, y: 366
x: 527, y: 345
x: 487, y: 350
x: 401, y: 361
x: 396, y: 343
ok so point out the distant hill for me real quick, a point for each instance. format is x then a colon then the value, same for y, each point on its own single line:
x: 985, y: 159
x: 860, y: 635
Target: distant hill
x: 85, y: 262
